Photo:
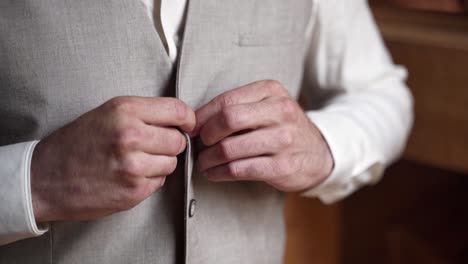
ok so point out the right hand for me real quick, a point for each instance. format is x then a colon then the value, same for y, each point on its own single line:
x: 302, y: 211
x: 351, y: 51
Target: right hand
x: 109, y: 159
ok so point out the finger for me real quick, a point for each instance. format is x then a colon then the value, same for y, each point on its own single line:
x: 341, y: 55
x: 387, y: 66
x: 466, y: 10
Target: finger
x: 255, y: 143
x: 155, y: 183
x: 139, y: 165
x: 253, y: 92
x: 159, y: 111
x: 163, y: 141
x: 150, y: 139
x: 236, y: 118
x: 251, y: 169
x: 160, y: 165
x: 152, y: 185
x: 142, y: 190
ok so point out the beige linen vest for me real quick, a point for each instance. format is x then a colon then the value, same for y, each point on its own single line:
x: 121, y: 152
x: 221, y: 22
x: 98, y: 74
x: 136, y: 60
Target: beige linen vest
x: 61, y: 58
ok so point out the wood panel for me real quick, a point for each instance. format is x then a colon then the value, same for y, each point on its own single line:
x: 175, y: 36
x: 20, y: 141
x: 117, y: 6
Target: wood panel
x: 452, y: 6
x: 434, y: 48
x: 417, y: 214
x: 313, y: 231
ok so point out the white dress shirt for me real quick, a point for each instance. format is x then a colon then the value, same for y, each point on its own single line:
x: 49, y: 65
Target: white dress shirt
x: 365, y: 126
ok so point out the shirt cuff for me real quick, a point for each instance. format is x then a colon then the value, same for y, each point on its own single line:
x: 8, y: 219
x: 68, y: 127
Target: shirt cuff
x: 16, y: 209
x: 352, y: 168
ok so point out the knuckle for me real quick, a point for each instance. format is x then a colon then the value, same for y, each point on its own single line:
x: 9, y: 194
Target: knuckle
x: 130, y: 166
x: 127, y: 138
x: 288, y: 108
x: 230, y: 118
x: 234, y: 170
x: 120, y: 104
x: 226, y: 100
x: 285, y: 138
x: 227, y: 149
x: 275, y: 86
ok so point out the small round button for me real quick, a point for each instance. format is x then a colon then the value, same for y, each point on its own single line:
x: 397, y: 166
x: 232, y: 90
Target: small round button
x: 192, y: 204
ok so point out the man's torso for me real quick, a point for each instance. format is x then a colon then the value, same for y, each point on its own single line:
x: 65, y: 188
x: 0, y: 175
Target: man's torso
x: 60, y: 59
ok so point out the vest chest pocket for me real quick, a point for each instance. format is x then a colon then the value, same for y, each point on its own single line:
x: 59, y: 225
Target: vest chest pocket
x: 274, y: 23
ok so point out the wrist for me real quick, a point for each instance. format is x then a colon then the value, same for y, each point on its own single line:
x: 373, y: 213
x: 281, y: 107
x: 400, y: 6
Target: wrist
x: 327, y: 164
x: 324, y: 159
x: 39, y: 192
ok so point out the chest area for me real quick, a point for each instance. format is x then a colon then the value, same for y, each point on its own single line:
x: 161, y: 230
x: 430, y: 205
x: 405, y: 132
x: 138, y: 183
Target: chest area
x: 75, y: 55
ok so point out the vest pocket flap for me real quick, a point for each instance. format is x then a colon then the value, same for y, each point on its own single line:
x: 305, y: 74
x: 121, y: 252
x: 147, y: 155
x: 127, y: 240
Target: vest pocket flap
x: 273, y: 39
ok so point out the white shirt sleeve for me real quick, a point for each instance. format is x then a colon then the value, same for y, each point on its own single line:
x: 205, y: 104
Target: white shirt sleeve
x: 368, y: 114
x: 16, y: 210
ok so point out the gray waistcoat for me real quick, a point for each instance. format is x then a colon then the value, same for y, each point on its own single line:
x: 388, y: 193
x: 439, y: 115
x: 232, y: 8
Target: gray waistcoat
x: 61, y: 58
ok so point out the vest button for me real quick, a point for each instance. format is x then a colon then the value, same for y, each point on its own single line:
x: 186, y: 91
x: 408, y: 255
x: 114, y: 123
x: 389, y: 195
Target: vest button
x: 192, y: 204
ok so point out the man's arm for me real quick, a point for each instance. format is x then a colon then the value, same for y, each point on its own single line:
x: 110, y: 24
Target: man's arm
x: 16, y: 211
x: 367, y: 122
x: 106, y: 161
x: 259, y: 133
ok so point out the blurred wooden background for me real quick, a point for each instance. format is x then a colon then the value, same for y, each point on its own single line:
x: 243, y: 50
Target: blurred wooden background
x: 451, y: 6
x: 417, y: 213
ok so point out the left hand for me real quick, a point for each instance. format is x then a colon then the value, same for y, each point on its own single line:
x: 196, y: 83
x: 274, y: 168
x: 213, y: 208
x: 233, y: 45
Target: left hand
x: 259, y: 133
